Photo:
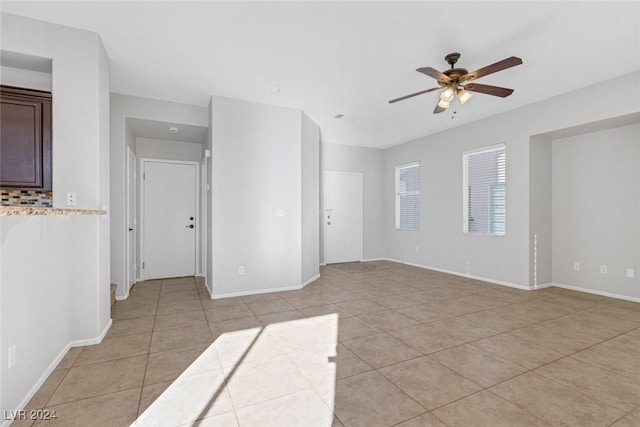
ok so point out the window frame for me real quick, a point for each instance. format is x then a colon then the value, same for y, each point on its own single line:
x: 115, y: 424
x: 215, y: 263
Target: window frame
x: 399, y: 195
x: 466, y: 229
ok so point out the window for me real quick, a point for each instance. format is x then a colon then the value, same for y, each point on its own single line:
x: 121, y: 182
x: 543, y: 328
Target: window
x: 485, y: 191
x: 408, y: 196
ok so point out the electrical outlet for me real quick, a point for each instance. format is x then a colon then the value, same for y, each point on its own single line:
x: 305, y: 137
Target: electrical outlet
x: 417, y: 249
x: 12, y: 356
x: 576, y: 266
x: 71, y: 198
x: 241, y: 270
x: 631, y: 273
x: 604, y: 269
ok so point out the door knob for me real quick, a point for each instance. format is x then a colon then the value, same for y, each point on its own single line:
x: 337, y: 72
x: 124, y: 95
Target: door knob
x: 131, y: 229
x: 329, y: 223
x: 189, y: 226
x: 191, y: 218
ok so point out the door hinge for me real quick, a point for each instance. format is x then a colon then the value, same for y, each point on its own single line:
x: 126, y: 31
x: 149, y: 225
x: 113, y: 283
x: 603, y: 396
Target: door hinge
x: 143, y: 265
x: 144, y: 176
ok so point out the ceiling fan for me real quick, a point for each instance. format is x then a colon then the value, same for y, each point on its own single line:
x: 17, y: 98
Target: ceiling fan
x: 455, y: 81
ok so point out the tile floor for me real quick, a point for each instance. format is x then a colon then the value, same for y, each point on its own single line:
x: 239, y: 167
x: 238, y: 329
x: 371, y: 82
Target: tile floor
x: 394, y: 345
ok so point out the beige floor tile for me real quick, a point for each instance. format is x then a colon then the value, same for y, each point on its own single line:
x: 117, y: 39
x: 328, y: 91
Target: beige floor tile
x: 625, y: 310
x: 552, y: 340
x: 632, y: 419
x: 307, y: 301
x: 227, y: 419
x: 394, y: 301
x: 425, y: 338
x: 115, y: 348
x: 176, y: 338
x: 100, y: 378
x: 214, y: 303
x: 187, y: 399
x: 382, y: 405
x: 353, y: 327
x: 568, y: 326
x: 111, y: 410
x: 248, y: 299
x: 595, y: 382
x: 613, y: 357
x: 219, y: 328
x: 463, y: 329
x: 389, y: 320
x: 303, y: 408
x: 485, y: 409
x: 269, y: 307
x: 479, y: 366
x: 178, y: 306
x: 520, y: 352
x: 282, y: 317
x: 228, y: 312
x: 428, y: 312
x: 121, y: 310
x: 194, y: 318
x: 168, y: 365
x: 381, y: 350
x: 69, y: 359
x: 247, y: 346
x: 251, y: 383
x: 361, y: 306
x: 494, y: 320
x: 44, y: 393
x: 134, y: 326
x: 426, y: 420
x: 342, y: 296
x: 555, y: 403
x: 321, y: 310
x: 428, y: 382
x: 150, y: 393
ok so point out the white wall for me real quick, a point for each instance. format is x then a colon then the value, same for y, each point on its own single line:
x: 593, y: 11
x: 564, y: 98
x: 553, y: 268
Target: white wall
x: 80, y: 164
x: 540, y: 188
x: 168, y: 150
x: 25, y: 78
x: 442, y: 243
x: 310, y: 199
x: 596, y: 210
x: 123, y: 107
x: 369, y: 162
x: 256, y: 171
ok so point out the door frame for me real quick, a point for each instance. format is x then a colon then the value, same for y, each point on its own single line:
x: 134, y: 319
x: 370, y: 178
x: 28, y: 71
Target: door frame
x: 143, y: 161
x: 324, y: 212
x: 131, y: 159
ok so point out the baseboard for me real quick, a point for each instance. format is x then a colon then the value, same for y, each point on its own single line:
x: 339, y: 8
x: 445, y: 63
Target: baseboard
x: 39, y: 383
x: 92, y: 341
x: 542, y: 286
x: 374, y: 259
x: 206, y: 285
x: 313, y: 279
x: 468, y: 276
x: 322, y: 264
x: 596, y: 292
x: 121, y: 298
x: 256, y: 292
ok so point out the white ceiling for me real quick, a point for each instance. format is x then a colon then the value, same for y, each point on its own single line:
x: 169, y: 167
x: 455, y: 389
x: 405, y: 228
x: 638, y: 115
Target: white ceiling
x: 351, y: 58
x: 160, y: 130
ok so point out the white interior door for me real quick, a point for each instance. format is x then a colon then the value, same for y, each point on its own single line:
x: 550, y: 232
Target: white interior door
x: 170, y: 206
x: 342, y: 221
x: 131, y: 219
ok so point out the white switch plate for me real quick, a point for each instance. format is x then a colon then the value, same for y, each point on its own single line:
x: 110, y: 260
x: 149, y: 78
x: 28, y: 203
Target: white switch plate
x: 576, y: 266
x: 12, y: 356
x: 604, y: 269
x: 631, y: 273
x: 241, y: 270
x: 72, y: 199
x: 279, y: 212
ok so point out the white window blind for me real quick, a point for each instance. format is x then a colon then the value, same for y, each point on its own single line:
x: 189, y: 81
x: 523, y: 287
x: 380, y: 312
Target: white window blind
x: 408, y: 196
x: 485, y: 191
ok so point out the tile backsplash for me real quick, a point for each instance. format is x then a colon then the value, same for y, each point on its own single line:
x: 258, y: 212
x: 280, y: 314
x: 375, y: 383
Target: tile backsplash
x: 15, y: 197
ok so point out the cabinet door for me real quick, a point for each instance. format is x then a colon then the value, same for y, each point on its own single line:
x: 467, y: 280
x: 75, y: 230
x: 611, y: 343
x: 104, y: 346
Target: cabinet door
x: 25, y: 139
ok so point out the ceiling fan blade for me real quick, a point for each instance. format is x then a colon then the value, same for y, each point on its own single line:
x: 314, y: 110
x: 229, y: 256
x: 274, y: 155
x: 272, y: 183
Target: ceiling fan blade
x: 502, y: 92
x: 493, y: 68
x: 414, y: 94
x: 432, y: 72
x: 438, y: 109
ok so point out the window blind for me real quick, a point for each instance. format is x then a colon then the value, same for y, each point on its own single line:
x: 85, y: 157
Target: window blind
x: 485, y: 191
x: 408, y: 196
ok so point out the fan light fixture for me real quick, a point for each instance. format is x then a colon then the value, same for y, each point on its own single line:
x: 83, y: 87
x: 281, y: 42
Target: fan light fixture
x: 463, y: 95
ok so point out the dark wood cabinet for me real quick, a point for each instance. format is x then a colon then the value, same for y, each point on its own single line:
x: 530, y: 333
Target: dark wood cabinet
x: 25, y: 138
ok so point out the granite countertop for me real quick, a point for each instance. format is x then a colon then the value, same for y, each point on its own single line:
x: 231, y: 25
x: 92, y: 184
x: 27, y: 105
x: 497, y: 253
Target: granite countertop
x: 35, y: 210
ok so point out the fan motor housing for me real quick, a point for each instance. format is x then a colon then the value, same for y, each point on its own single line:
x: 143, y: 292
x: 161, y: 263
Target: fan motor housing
x: 455, y: 73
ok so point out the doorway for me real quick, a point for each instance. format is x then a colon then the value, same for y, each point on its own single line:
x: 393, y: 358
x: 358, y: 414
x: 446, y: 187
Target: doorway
x: 169, y: 204
x: 342, y: 219
x: 131, y: 237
